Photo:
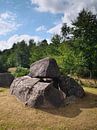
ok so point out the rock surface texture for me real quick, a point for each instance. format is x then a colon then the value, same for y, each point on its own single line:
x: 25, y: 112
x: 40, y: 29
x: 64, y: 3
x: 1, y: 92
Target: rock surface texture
x: 6, y: 79
x: 45, y: 68
x: 45, y: 87
x: 70, y: 87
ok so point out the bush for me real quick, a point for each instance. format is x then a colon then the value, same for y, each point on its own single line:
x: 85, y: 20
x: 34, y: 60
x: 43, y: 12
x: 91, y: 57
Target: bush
x: 20, y: 71
x: 3, y: 67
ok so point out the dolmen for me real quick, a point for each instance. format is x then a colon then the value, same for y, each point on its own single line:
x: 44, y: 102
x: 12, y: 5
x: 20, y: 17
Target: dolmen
x: 44, y: 86
x: 6, y: 79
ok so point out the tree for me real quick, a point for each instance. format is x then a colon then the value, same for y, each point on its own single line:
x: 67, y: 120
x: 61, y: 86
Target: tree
x: 31, y: 43
x: 56, y: 40
x: 44, y: 43
x: 66, y: 31
x: 22, y: 54
x: 85, y: 38
x: 3, y: 64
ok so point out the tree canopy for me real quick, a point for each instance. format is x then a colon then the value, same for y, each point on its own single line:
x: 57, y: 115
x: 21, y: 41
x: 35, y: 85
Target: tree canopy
x: 75, y: 49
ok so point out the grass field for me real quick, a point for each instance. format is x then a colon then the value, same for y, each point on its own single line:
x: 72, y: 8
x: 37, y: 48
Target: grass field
x: 82, y: 115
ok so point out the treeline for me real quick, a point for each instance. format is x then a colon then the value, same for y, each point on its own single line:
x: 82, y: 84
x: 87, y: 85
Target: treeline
x: 75, y: 49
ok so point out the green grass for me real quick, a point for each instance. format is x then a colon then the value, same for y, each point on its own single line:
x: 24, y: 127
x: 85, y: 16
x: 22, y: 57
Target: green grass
x: 82, y: 115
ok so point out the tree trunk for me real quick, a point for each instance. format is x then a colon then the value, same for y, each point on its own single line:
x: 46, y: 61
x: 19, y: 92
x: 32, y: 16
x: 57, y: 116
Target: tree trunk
x: 90, y: 71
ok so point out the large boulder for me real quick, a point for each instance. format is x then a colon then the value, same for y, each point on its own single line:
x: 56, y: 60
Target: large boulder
x: 45, y: 68
x: 55, y: 96
x: 70, y: 87
x: 22, y: 87
x: 70, y: 100
x: 45, y: 92
x: 45, y: 87
x: 6, y: 79
x: 35, y: 93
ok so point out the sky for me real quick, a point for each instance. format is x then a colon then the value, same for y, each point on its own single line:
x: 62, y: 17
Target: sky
x: 37, y: 19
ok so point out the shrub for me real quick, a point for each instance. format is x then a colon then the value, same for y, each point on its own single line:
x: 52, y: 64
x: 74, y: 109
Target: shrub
x: 20, y: 71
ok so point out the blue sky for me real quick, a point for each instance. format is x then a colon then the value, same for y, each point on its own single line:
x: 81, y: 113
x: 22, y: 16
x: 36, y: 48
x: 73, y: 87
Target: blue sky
x: 37, y: 19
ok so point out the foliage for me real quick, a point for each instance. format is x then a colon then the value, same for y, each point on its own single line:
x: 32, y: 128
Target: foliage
x: 75, y: 49
x: 56, y: 40
x: 20, y: 71
x: 65, y: 30
x: 3, y: 65
x: 85, y: 38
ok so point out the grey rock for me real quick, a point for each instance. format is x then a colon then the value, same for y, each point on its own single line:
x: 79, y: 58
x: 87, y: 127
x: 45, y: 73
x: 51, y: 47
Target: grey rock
x: 45, y: 68
x: 22, y: 87
x: 55, y: 97
x: 70, y: 87
x: 45, y: 87
x: 35, y: 93
x: 6, y: 79
x: 70, y: 100
x: 37, y: 96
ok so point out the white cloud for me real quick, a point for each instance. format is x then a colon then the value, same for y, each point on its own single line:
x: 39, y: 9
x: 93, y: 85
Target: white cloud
x: 60, y: 6
x: 17, y: 38
x: 7, y: 23
x: 55, y: 29
x: 41, y: 28
x: 53, y: 6
x: 69, y: 8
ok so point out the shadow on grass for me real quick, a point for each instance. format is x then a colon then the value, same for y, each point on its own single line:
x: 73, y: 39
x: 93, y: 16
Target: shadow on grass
x: 4, y: 87
x: 1, y: 90
x: 73, y: 110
